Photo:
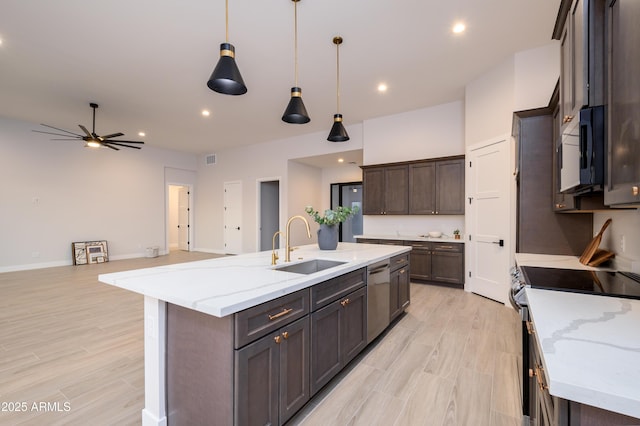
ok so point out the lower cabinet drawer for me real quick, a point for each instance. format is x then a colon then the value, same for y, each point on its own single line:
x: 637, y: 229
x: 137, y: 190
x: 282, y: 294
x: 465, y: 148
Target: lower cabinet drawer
x: 324, y: 293
x: 253, y: 323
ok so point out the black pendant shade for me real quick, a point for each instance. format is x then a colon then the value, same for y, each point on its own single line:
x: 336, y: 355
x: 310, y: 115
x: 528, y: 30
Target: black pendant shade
x: 296, y: 113
x: 338, y: 133
x: 226, y: 78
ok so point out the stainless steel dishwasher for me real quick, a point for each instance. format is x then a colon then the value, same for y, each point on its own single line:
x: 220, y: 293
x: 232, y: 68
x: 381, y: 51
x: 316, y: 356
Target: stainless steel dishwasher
x: 378, y: 294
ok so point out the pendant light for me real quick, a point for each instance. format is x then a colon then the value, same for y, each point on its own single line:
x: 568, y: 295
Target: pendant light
x: 226, y: 78
x: 338, y: 133
x: 296, y: 113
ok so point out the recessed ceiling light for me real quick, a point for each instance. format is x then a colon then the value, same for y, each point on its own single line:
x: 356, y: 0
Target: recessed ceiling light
x: 205, y: 113
x: 459, y: 28
x: 142, y: 134
x: 340, y: 160
x: 382, y: 87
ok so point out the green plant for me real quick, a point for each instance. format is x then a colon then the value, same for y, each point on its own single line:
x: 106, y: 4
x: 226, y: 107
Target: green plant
x: 456, y: 232
x: 331, y: 217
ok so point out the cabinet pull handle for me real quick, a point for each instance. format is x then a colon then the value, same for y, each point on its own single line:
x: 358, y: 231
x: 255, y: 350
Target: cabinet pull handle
x: 277, y: 339
x: 443, y: 247
x: 538, y: 373
x: 635, y: 190
x: 285, y: 334
x: 402, y: 271
x: 530, y: 328
x: 283, y: 313
x: 345, y: 302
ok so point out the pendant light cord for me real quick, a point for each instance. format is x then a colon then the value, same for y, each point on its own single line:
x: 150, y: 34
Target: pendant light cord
x: 295, y: 38
x: 226, y: 20
x: 338, y: 77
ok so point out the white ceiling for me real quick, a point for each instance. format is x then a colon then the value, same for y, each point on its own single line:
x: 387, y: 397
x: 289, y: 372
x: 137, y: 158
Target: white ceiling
x: 146, y: 62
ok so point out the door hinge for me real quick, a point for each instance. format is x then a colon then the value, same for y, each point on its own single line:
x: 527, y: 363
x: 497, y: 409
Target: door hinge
x: 469, y: 274
x: 469, y: 163
x: 469, y: 237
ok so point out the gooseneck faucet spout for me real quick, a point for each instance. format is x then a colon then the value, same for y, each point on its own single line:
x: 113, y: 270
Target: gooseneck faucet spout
x: 287, y: 249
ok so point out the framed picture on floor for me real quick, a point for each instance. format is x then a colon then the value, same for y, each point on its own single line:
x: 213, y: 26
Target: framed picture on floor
x: 85, y: 252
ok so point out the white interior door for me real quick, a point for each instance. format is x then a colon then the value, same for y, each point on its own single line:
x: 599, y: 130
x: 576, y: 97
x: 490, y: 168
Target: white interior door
x: 233, y: 217
x: 488, y: 218
x: 183, y: 218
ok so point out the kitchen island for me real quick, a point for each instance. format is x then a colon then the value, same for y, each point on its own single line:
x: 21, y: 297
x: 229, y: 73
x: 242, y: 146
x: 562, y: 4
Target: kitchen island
x: 202, y: 327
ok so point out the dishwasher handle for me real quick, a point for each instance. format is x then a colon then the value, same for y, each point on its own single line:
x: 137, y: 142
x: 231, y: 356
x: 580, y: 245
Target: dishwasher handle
x: 379, y: 269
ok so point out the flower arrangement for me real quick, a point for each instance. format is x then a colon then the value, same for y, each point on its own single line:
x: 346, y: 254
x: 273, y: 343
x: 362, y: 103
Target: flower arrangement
x: 331, y: 217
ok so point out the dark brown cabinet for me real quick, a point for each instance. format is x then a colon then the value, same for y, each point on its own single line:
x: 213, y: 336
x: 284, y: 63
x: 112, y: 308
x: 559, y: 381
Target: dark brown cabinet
x: 437, y: 187
x: 580, y: 29
x: 338, y: 333
x: 385, y: 190
x: 272, y: 376
x: 447, y: 263
x: 399, y: 288
x: 423, y: 187
x: 623, y: 175
x: 437, y: 262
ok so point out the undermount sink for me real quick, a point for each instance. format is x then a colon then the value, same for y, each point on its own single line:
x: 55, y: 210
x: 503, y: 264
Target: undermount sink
x: 310, y: 266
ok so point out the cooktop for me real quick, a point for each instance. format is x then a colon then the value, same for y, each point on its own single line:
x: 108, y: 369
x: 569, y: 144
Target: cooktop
x: 617, y: 284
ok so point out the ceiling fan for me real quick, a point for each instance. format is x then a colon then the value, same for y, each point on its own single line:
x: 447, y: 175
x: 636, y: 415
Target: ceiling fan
x: 92, y: 139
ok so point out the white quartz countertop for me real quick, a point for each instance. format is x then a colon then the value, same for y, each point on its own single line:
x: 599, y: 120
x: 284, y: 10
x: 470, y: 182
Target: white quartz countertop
x: 553, y: 261
x: 590, y: 347
x: 227, y: 285
x: 443, y: 239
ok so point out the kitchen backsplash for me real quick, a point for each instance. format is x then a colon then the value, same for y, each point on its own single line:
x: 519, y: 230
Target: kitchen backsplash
x: 622, y: 237
x: 412, y: 225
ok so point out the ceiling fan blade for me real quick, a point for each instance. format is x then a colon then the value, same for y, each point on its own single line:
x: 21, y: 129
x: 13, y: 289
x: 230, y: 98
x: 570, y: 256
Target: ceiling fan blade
x: 107, y: 143
x: 58, y: 134
x: 84, y: 129
x: 113, y: 135
x: 121, y: 141
x: 109, y: 146
x: 62, y: 130
x: 56, y: 139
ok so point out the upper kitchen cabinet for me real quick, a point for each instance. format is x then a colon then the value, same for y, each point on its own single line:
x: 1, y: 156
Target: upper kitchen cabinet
x: 385, y: 190
x: 437, y: 187
x: 580, y: 29
x: 623, y: 171
x: 423, y: 187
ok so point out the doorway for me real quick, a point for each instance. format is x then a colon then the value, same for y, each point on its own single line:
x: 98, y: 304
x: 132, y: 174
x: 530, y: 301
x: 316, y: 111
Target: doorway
x: 268, y: 214
x: 179, y: 217
x: 348, y: 195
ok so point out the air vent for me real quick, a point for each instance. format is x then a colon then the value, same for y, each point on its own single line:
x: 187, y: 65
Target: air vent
x: 210, y: 159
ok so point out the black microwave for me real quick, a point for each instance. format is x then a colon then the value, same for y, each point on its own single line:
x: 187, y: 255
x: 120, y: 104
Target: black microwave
x: 583, y: 162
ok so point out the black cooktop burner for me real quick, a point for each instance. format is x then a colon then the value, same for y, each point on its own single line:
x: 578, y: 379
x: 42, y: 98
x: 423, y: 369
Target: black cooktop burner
x: 618, y: 284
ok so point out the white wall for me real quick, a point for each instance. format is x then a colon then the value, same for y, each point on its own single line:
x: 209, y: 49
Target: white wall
x: 536, y: 74
x: 623, y: 223
x: 425, y: 133
x: 57, y: 192
x: 251, y: 163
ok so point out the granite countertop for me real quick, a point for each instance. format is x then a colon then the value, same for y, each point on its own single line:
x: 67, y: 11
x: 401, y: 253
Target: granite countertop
x: 590, y: 347
x: 227, y: 285
x: 443, y: 239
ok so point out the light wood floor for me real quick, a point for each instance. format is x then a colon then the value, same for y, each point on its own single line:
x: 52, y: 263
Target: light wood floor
x: 67, y: 339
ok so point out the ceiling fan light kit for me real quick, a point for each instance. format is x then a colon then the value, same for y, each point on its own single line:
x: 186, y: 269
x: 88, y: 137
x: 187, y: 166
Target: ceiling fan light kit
x: 296, y: 113
x: 337, y: 133
x: 226, y: 78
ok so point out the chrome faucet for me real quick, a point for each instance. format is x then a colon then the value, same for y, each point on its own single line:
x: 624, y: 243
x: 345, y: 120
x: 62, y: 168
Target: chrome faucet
x: 274, y: 255
x: 287, y: 249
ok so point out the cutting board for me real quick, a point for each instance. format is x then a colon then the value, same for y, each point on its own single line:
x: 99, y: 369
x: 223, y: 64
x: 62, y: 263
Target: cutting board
x: 600, y: 256
x: 593, y: 245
